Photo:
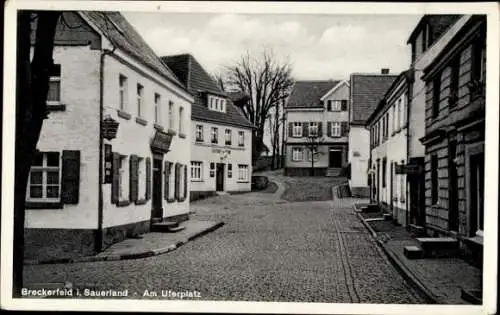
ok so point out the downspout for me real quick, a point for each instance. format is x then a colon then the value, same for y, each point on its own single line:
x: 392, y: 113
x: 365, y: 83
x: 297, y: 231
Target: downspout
x: 99, y: 234
x: 409, y: 81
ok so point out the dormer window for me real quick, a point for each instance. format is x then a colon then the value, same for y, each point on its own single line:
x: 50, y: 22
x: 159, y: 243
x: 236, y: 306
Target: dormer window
x: 216, y: 103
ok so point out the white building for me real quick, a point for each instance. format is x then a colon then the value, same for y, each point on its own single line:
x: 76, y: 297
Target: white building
x: 317, y: 111
x: 88, y: 190
x: 221, y: 146
x: 388, y: 145
x: 366, y: 91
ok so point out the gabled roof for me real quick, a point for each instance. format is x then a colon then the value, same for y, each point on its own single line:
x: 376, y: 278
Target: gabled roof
x: 309, y: 93
x: 366, y: 92
x: 124, y: 36
x: 438, y: 23
x: 199, y: 82
x: 335, y: 88
x: 382, y: 101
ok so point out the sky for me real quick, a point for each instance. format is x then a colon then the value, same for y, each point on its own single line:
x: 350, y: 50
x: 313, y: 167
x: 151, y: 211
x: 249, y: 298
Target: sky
x: 319, y: 47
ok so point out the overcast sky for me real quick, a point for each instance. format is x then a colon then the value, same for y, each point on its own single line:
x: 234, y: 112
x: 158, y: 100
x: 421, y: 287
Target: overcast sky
x: 318, y: 46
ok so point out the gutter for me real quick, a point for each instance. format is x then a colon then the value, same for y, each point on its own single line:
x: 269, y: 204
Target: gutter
x: 99, y: 232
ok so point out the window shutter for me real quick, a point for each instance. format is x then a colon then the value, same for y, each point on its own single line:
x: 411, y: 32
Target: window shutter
x: 343, y: 104
x: 70, y: 185
x: 177, y: 184
x: 305, y: 130
x: 290, y: 129
x: 329, y: 106
x: 343, y: 131
x: 329, y: 129
x: 115, y: 184
x: 185, y: 182
x: 148, y: 178
x: 166, y: 173
x: 320, y: 129
x: 134, y: 178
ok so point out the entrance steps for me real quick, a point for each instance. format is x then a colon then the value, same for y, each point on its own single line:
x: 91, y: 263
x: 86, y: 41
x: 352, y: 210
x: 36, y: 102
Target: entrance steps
x: 166, y: 227
x: 221, y: 193
x: 433, y: 247
x: 333, y: 172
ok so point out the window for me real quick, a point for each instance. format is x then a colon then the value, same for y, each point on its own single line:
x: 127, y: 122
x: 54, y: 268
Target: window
x: 229, y: 170
x: 436, y: 95
x: 403, y: 110
x: 455, y: 72
x: 398, y: 115
x: 171, y: 115
x: 141, y: 177
x: 123, y: 92
x: 44, y: 182
x: 212, y: 169
x: 402, y: 186
x: 54, y: 93
x: 313, y: 129
x: 434, y: 179
x: 394, y: 121
x: 386, y: 125
x: 157, y: 109
x: 196, y: 170
x: 478, y: 72
x: 140, y: 91
x: 181, y: 119
x: 336, y: 129
x: 336, y: 105
x: 228, y: 137
x: 123, y: 179
x: 313, y: 153
x: 384, y: 172
x: 241, y: 138
x: 243, y: 173
x: 199, y: 133
x: 297, y: 129
x: 215, y: 135
x: 297, y: 154
x: 223, y: 106
x: 216, y: 103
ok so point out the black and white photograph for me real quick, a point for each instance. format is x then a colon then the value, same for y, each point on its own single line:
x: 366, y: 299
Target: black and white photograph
x: 257, y: 157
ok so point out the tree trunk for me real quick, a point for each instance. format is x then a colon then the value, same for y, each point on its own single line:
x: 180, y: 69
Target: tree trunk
x: 31, y: 110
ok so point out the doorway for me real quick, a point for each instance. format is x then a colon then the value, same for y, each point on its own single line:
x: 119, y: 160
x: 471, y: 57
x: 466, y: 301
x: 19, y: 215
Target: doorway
x: 476, y: 175
x: 157, y: 210
x: 219, y: 177
x: 335, y: 158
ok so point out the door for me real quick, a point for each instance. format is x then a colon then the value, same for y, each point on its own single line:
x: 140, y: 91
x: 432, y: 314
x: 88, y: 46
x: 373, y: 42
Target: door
x: 391, y: 191
x: 219, y: 177
x: 377, y: 188
x: 335, y: 159
x: 157, y: 210
x: 476, y: 175
x: 452, y: 188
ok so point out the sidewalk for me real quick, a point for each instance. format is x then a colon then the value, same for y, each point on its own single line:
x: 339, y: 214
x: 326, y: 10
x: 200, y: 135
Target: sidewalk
x: 440, y: 279
x: 151, y: 244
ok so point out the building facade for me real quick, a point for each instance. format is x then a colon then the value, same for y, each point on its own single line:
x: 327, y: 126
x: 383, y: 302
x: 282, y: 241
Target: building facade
x: 317, y: 123
x: 221, y: 143
x: 454, y: 137
x: 90, y: 184
x: 388, y: 134
x: 366, y: 92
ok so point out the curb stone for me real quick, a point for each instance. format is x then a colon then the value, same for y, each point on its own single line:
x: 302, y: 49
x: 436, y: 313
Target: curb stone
x: 402, y: 269
x: 115, y: 257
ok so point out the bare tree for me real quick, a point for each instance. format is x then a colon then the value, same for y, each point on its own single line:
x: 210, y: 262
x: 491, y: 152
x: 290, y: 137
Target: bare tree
x: 312, y: 145
x: 266, y: 80
x: 31, y: 94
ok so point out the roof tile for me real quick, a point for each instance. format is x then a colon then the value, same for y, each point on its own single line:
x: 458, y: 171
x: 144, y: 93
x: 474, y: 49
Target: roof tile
x: 308, y: 93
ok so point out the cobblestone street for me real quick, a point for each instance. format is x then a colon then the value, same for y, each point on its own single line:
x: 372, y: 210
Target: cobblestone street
x: 268, y: 250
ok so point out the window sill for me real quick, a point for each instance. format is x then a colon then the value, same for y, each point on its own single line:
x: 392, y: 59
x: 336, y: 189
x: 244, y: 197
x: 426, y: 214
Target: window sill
x: 141, y: 201
x: 171, y: 132
x: 170, y: 200
x: 141, y: 121
x: 199, y: 140
x: 214, y: 142
x: 124, y: 115
x: 158, y: 127
x: 182, y: 135
x: 55, y: 107
x: 43, y: 205
x: 242, y: 182
x: 197, y: 180
x: 123, y: 203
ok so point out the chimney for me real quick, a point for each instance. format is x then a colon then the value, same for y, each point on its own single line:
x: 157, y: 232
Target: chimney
x: 385, y: 71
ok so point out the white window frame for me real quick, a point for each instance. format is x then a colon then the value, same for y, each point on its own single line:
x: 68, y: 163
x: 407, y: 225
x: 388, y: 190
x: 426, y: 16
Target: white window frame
x: 140, y: 100
x: 403, y: 111
x: 214, y: 135
x: 313, y: 154
x: 243, y: 171
x: 44, y: 168
x: 336, y: 127
x: 336, y: 105
x: 199, y: 133
x: 171, y: 115
x: 55, y: 79
x: 297, y: 129
x: 171, y: 181
x: 157, y: 113
x: 313, y: 129
x: 196, y: 171
x: 297, y: 154
x: 123, y: 178
x: 241, y: 138
x: 123, y: 92
x: 228, y: 137
x: 141, y: 177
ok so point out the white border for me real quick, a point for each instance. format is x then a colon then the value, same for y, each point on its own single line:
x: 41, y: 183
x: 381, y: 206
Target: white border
x: 491, y: 162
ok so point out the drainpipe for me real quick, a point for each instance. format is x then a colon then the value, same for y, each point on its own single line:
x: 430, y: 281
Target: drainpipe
x: 409, y: 81
x: 99, y: 234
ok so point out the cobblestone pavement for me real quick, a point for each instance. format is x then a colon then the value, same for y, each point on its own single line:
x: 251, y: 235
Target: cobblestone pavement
x: 268, y: 250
